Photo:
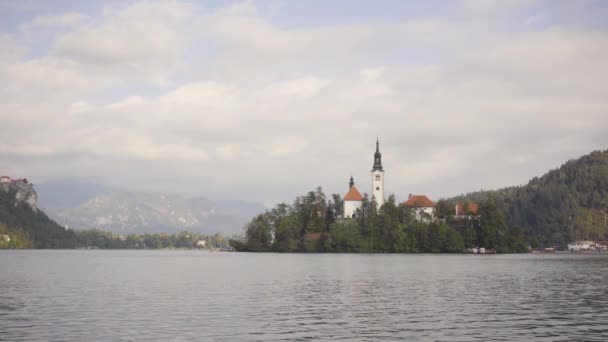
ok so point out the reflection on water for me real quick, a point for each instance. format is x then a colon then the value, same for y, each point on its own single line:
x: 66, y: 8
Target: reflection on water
x: 194, y: 296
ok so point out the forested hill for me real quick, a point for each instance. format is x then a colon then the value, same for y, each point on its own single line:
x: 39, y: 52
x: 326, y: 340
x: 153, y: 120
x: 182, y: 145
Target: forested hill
x: 25, y: 225
x: 565, y: 204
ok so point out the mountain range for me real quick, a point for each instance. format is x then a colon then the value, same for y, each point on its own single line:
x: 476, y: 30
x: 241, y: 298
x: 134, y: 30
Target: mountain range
x: 84, y: 205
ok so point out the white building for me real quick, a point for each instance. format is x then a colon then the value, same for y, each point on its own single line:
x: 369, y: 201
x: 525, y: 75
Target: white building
x: 5, y: 179
x: 580, y: 246
x: 423, y: 207
x: 378, y: 177
x: 352, y: 200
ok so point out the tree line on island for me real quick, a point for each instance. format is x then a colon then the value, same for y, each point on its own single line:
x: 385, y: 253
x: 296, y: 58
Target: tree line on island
x: 314, y: 223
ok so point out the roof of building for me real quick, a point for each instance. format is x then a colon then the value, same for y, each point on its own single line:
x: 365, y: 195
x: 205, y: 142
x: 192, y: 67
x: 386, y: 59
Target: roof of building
x: 419, y: 201
x: 353, y: 194
x: 472, y: 208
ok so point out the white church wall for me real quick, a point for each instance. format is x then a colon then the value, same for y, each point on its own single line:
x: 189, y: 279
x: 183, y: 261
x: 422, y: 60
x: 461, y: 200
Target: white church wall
x: 350, y: 207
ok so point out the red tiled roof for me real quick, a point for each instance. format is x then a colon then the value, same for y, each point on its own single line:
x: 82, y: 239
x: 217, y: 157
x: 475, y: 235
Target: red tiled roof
x: 353, y: 194
x: 473, y: 208
x: 418, y: 201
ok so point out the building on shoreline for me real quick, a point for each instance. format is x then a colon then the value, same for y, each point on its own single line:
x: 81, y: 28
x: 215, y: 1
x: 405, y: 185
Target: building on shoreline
x: 588, y: 246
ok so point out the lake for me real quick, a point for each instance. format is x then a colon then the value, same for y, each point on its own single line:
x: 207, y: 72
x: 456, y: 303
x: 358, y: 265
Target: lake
x: 81, y: 295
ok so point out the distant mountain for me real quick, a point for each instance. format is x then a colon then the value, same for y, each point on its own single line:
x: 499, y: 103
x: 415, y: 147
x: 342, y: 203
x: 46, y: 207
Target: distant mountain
x: 566, y: 204
x: 83, y: 205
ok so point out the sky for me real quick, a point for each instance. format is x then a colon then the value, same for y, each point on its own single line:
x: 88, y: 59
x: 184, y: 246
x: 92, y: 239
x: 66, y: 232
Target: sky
x: 266, y: 100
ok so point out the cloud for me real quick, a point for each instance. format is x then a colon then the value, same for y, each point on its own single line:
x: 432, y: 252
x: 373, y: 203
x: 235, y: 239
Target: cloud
x: 140, y: 41
x: 61, y: 21
x: 226, y: 98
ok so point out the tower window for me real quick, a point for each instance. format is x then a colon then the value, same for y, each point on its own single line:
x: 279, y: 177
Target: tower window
x: 377, y: 177
x: 377, y: 188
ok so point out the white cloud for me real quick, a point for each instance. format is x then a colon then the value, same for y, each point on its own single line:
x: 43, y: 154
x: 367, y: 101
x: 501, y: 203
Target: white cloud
x: 60, y: 21
x: 226, y: 93
x: 129, y: 102
x: 302, y: 88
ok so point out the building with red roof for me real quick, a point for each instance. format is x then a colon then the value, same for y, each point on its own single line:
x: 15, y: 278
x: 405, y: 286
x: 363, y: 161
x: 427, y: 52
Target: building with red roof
x: 422, y: 206
x: 467, y: 210
x: 352, y: 200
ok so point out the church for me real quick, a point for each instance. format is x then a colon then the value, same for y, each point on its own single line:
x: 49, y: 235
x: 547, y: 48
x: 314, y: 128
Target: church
x: 353, y: 198
x: 422, y: 207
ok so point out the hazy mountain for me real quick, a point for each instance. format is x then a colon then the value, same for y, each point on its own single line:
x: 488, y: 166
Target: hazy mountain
x: 82, y: 205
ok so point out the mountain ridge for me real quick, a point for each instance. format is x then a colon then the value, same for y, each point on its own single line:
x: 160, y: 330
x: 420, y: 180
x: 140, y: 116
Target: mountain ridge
x: 84, y: 205
x: 567, y: 203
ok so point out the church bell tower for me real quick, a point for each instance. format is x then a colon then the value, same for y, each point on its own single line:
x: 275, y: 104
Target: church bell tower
x: 378, y: 177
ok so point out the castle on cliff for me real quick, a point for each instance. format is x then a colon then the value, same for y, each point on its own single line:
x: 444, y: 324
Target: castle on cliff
x: 23, y: 190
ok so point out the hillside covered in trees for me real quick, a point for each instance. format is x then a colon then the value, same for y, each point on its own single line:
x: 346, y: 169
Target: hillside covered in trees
x: 566, y: 204
x: 29, y: 227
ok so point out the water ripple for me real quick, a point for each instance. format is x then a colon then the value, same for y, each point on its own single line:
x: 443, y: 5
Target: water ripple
x: 194, y: 296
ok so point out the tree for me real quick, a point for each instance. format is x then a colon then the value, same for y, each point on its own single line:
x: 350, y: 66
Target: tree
x: 443, y: 210
x: 258, y: 234
x: 492, y: 228
x: 453, y: 242
x: 516, y: 242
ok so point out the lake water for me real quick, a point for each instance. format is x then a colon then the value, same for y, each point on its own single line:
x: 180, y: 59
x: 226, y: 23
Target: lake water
x: 203, y: 296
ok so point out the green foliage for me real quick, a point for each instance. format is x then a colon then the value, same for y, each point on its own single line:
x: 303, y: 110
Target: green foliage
x: 388, y: 230
x: 566, y: 204
x: 106, y: 240
x: 32, y: 228
x: 13, y: 238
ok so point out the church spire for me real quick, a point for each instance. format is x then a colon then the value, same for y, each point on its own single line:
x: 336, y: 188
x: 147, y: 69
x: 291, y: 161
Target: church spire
x: 351, y: 183
x: 377, y: 157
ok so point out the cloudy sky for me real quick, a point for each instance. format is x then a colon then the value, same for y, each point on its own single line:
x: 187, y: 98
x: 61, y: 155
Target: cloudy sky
x: 264, y: 100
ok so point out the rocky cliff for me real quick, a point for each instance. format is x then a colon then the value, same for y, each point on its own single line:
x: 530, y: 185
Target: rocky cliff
x: 25, y: 224
x: 23, y: 192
